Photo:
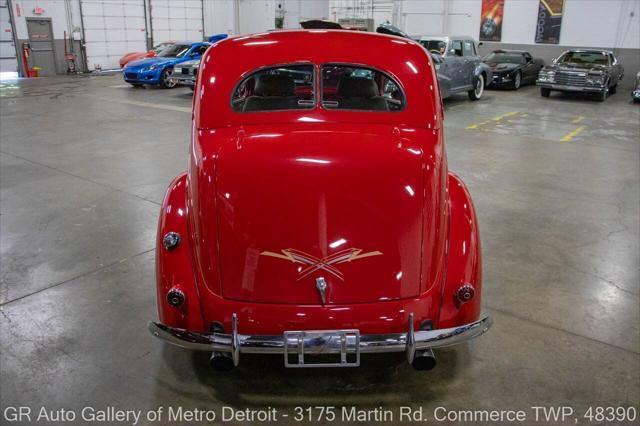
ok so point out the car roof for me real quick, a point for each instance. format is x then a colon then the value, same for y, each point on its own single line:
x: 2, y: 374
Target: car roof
x: 510, y: 51
x: 590, y: 51
x: 405, y: 60
x: 445, y: 37
x: 190, y: 43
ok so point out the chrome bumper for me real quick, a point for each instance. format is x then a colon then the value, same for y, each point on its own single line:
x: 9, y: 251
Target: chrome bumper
x: 184, y: 80
x: 569, y: 88
x: 235, y: 343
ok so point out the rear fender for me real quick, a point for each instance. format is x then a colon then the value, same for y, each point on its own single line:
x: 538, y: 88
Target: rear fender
x: 464, y: 260
x: 174, y: 268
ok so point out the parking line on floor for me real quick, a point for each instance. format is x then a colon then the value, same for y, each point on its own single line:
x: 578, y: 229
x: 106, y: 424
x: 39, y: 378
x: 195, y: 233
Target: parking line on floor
x: 572, y: 134
x: 509, y: 114
x: 497, y: 119
x: 578, y: 119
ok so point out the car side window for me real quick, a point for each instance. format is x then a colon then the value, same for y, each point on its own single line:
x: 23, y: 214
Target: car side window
x: 468, y: 48
x: 200, y: 50
x: 284, y: 87
x: 456, y: 48
x: 352, y: 87
x: 527, y: 58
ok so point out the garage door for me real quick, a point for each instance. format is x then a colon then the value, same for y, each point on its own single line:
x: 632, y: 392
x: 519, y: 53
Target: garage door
x: 176, y: 20
x: 111, y: 29
x: 8, y: 58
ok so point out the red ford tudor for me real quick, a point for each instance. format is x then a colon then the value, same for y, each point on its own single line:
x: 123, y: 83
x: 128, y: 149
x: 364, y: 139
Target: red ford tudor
x: 317, y: 218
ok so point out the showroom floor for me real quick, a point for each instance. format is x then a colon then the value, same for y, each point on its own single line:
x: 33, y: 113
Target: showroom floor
x: 84, y: 165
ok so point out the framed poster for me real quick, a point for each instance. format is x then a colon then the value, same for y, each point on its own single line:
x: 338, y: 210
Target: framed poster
x: 491, y: 20
x: 549, y: 21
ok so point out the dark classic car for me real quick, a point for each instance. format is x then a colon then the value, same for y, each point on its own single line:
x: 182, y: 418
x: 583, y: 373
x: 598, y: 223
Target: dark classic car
x: 460, y: 69
x: 317, y: 218
x: 636, y: 92
x: 513, y: 68
x: 588, y: 71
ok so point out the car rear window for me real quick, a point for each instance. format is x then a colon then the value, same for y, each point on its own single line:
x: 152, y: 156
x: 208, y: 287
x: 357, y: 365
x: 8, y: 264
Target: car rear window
x: 352, y: 87
x: 284, y: 87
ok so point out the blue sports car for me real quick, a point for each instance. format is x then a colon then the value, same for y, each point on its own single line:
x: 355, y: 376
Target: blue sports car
x: 157, y: 70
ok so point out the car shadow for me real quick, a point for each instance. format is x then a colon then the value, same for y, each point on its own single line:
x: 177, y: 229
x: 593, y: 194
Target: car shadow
x: 574, y: 96
x: 460, y: 99
x: 381, y: 379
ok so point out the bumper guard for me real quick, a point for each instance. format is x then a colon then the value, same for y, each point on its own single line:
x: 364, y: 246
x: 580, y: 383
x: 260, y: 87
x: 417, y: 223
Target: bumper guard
x: 308, y: 342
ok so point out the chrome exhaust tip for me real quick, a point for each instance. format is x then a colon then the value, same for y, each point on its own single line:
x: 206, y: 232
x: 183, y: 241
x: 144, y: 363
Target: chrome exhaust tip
x: 221, y: 361
x: 424, y: 360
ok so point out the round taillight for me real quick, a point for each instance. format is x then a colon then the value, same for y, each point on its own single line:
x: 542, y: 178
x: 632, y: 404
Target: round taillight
x: 175, y: 297
x: 466, y: 293
x: 171, y: 240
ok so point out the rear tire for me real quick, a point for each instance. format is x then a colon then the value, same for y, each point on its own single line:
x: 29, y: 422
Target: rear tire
x: 165, y: 79
x: 478, y: 90
x: 601, y: 97
x: 517, y: 81
x: 544, y: 92
x: 613, y: 89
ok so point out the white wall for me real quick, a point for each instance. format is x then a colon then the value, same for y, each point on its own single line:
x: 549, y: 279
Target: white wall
x: 53, y: 9
x: 300, y: 10
x: 256, y: 16
x: 219, y: 17
x: 602, y: 23
x: 587, y: 23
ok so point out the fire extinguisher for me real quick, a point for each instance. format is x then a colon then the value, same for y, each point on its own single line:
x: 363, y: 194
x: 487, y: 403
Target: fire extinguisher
x: 30, y: 71
x: 26, y: 50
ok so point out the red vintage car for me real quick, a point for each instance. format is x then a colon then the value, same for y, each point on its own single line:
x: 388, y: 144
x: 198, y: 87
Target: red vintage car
x: 134, y: 56
x: 317, y: 218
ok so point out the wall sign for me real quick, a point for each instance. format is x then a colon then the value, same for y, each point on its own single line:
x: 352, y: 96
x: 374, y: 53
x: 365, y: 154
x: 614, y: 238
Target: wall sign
x: 549, y: 21
x: 491, y: 20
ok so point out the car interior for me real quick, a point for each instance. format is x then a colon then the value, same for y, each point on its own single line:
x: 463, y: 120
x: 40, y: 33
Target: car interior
x: 343, y: 87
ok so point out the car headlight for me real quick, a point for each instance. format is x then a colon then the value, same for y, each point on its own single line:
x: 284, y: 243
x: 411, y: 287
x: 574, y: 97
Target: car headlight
x: 152, y: 67
x: 597, y: 80
x: 547, y: 76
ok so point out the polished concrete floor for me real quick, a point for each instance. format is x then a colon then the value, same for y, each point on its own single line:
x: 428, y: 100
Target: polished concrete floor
x: 85, y: 162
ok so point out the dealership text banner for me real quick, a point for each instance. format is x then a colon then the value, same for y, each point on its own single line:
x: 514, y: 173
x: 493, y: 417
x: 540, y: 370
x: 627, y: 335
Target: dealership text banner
x: 549, y: 21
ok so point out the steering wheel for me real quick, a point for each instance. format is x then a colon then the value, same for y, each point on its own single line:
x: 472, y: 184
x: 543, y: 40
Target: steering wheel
x: 436, y: 51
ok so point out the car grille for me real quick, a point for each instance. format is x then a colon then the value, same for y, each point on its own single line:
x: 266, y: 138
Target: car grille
x: 185, y: 71
x: 570, y: 79
x: 131, y: 75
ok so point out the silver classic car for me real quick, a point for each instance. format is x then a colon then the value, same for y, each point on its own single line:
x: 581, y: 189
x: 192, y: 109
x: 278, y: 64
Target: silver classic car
x: 587, y: 71
x: 636, y: 91
x: 185, y: 73
x: 460, y: 69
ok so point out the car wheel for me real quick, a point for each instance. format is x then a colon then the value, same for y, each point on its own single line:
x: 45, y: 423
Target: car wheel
x: 136, y: 85
x: 165, y: 79
x: 476, y: 93
x: 601, y: 97
x: 545, y: 92
x: 613, y: 89
x: 517, y: 81
x: 193, y: 88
